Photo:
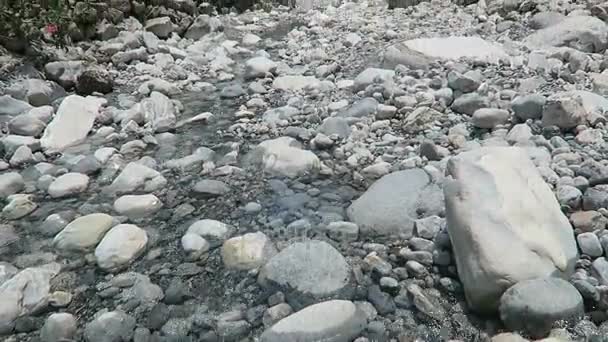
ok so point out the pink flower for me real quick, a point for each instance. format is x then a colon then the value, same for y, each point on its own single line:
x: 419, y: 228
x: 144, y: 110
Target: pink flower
x: 51, y: 29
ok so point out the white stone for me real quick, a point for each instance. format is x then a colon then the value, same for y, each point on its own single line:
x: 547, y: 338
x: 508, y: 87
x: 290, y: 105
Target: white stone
x: 334, y: 320
x: 505, y: 224
x: 215, y: 232
x: 248, y: 251
x: 159, y: 112
x: 136, y: 176
x: 284, y: 156
x: 579, y: 31
x: 194, y: 245
x: 120, y: 246
x: 295, y: 82
x: 68, y: 184
x: 72, y: 123
x: 137, y: 206
x: 452, y: 48
x: 10, y: 183
x: 84, y: 233
x: 19, y: 205
x: 25, y: 293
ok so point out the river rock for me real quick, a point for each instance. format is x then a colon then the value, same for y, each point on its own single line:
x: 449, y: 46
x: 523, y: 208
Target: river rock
x: 10, y: 183
x: 64, y: 72
x: 371, y: 76
x: 120, y: 246
x: 136, y: 176
x: 528, y: 106
x: 159, y: 112
x: 26, y: 293
x: 84, y: 233
x: 59, y: 327
x: 162, y: 27
x: 72, y: 123
x: 202, y: 25
x: 259, y: 67
x: 585, y: 33
x: 137, y: 206
x: 248, y: 251
x: 112, y: 326
x: 284, y: 156
x: 69, y: 184
x: 394, y: 202
x: 18, y: 206
x: 294, y: 82
x: 215, y: 232
x: 11, y: 106
x: 514, y: 196
x: 26, y: 124
x: 564, y: 110
x: 331, y: 321
x: 307, y: 272
x: 490, y: 117
x: 531, y: 306
x: 94, y: 80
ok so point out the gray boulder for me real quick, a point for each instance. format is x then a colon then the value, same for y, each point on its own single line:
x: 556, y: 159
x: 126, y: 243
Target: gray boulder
x: 10, y: 183
x: 331, y: 321
x: 94, y: 80
x: 203, y: 25
x: 162, y: 27
x: 308, y: 272
x: 394, y: 202
x: 505, y: 224
x: 64, y: 72
x: 112, y: 326
x: 534, y: 306
x: 11, y: 106
x: 59, y: 327
x: 371, y: 76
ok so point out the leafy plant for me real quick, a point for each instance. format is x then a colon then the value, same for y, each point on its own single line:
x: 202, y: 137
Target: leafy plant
x: 26, y: 23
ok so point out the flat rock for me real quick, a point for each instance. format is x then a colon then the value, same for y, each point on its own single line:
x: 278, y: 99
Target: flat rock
x: 84, y: 233
x: 162, y: 27
x: 585, y: 33
x: 530, y: 306
x: 497, y: 194
x: 307, y: 272
x: 137, y: 206
x: 68, y: 184
x: 393, y: 203
x: 120, y: 246
x: 330, y: 321
x: 371, y: 76
x: 215, y: 232
x: 453, y: 48
x: 210, y: 187
x: 72, y: 123
x: 248, y: 251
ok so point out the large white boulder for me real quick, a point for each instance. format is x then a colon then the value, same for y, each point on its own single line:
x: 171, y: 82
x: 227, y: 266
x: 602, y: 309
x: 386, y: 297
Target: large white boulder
x: 584, y: 33
x: 72, y: 123
x: 504, y: 223
x: 420, y: 52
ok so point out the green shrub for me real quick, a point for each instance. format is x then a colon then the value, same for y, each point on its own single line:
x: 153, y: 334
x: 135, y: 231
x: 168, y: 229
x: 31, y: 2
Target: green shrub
x: 26, y: 23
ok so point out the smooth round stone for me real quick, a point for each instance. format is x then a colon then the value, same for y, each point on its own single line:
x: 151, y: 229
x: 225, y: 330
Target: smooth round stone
x: 69, y: 184
x: 83, y: 233
x: 533, y: 306
x: 590, y: 244
x: 137, y: 206
x: 195, y: 245
x: 58, y: 327
x: 120, y: 246
x: 19, y: 205
x: 215, y: 232
x: 306, y: 272
x: 110, y: 326
x: 331, y: 321
x: 247, y: 252
x: 10, y: 183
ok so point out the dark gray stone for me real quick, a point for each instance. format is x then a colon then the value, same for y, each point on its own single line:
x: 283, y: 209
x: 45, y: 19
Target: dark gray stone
x: 534, y: 306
